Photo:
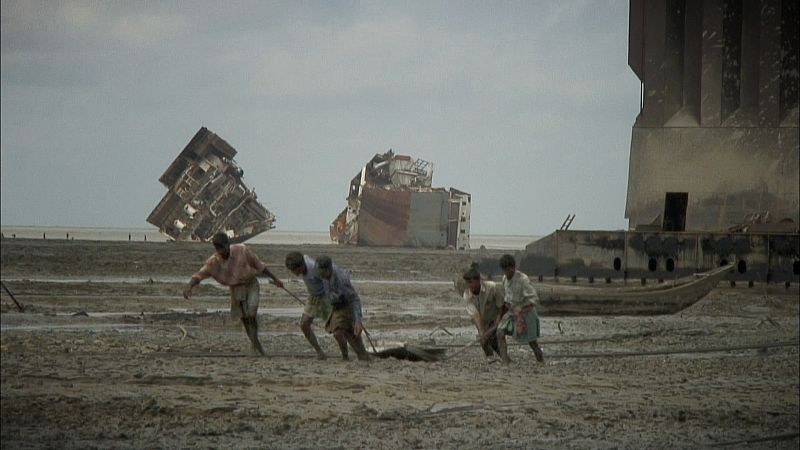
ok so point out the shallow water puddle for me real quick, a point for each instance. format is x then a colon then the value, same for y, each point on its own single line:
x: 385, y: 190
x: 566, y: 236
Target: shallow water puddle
x: 436, y: 311
x: 121, y: 327
x: 183, y: 280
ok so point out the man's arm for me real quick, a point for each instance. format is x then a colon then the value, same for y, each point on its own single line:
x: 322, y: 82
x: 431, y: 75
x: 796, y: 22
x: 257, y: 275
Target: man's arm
x: 358, y: 318
x: 345, y: 289
x: 529, y: 296
x: 261, y: 266
x: 199, y: 276
x: 529, y: 292
x: 275, y: 279
x: 478, y: 321
x: 505, y: 289
x: 500, y: 302
x: 474, y: 314
x: 194, y: 281
x: 498, y: 294
x: 350, y: 292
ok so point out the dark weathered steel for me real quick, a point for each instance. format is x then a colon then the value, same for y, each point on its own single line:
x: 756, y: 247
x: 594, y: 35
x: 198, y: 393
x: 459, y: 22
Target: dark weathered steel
x: 383, y: 217
x: 207, y: 195
x: 633, y: 255
x: 714, y: 164
x: 719, y: 116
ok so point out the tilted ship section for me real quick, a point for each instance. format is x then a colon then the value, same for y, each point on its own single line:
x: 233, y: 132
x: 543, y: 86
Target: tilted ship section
x: 206, y: 195
x: 390, y: 202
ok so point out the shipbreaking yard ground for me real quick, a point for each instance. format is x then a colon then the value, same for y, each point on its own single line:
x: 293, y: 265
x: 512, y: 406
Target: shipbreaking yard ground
x: 103, y: 363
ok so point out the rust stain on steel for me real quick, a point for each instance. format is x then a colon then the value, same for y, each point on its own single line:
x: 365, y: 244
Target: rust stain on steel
x: 206, y: 195
x: 383, y: 219
x: 380, y: 211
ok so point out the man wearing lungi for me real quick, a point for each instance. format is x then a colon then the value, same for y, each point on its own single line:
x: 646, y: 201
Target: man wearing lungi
x: 317, y: 305
x: 345, y: 321
x: 521, y: 320
x: 236, y: 266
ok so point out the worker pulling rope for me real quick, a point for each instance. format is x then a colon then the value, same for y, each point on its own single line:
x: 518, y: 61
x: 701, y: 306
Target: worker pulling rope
x: 408, y: 352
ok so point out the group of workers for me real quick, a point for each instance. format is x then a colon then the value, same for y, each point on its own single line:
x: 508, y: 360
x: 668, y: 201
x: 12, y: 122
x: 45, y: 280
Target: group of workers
x: 496, y: 309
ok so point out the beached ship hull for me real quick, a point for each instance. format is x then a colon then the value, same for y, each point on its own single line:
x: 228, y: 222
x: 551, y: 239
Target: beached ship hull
x: 391, y: 203
x: 206, y: 195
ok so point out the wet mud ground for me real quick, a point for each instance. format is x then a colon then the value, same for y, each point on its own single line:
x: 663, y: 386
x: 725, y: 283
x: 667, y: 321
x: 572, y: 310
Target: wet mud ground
x: 109, y: 355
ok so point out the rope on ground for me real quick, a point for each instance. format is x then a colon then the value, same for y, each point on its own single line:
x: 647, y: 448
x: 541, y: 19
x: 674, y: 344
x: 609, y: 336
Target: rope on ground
x: 676, y: 351
x: 476, y: 407
x: 777, y: 437
x: 613, y: 337
x: 5, y: 288
x: 794, y: 343
x: 439, y: 328
x: 462, y: 349
x: 185, y: 333
x: 230, y: 355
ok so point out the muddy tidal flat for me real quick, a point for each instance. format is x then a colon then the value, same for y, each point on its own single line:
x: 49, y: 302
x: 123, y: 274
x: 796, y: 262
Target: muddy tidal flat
x: 107, y: 354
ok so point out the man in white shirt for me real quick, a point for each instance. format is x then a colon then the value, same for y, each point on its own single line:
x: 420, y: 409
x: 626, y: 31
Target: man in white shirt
x: 521, y: 320
x: 485, y: 304
x: 316, y: 306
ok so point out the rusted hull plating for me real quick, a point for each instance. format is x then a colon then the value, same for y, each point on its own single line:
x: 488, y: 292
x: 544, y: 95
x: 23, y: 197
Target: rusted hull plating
x: 391, y: 203
x: 383, y: 218
x: 206, y: 195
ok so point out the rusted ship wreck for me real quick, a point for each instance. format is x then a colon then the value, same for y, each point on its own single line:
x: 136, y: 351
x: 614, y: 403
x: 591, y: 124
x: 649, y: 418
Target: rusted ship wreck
x: 391, y: 202
x: 206, y: 195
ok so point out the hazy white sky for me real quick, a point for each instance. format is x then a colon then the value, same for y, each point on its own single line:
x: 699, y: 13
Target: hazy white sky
x: 526, y: 105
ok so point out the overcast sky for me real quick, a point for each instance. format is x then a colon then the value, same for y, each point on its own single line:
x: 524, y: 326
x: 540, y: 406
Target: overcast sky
x: 526, y: 105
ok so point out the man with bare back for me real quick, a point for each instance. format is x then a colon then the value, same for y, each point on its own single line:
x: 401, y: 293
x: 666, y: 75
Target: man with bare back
x: 236, y: 266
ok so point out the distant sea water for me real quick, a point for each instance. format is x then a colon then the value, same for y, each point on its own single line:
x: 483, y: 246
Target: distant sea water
x: 490, y: 241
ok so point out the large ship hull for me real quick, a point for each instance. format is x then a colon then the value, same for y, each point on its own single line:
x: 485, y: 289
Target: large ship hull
x: 206, y: 195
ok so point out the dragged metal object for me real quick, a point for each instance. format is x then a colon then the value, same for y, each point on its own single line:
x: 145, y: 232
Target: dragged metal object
x: 412, y: 352
x: 391, y: 203
x: 206, y: 195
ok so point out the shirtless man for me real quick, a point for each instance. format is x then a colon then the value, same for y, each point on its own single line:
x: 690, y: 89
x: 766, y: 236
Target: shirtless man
x: 236, y: 266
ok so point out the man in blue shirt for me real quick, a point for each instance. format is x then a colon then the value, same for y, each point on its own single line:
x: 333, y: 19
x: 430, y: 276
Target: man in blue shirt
x: 345, y: 321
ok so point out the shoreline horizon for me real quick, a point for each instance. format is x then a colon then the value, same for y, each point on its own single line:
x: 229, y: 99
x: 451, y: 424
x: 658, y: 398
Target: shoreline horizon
x: 274, y: 236
x: 274, y: 230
